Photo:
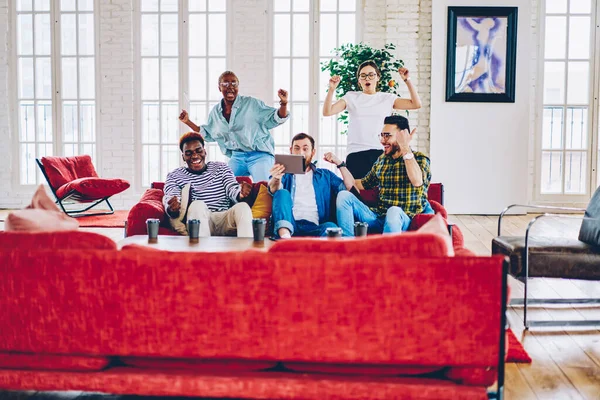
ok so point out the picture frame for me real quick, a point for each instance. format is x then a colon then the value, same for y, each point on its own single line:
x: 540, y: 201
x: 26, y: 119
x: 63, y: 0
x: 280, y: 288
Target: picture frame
x: 481, y: 54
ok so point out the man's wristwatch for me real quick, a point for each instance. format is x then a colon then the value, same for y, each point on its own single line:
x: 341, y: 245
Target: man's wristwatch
x: 408, y: 156
x: 342, y: 164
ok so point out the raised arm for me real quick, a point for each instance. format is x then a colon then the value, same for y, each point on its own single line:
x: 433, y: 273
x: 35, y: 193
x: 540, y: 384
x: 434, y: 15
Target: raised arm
x: 277, y: 172
x: 412, y: 103
x: 413, y: 169
x: 185, y: 118
x: 328, y: 107
x: 349, y: 180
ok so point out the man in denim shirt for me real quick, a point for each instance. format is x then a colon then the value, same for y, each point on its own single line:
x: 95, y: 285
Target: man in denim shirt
x: 301, y: 203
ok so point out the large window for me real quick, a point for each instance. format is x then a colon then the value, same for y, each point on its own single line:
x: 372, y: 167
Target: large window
x: 304, y: 34
x: 55, y: 69
x: 569, y: 133
x: 182, y: 53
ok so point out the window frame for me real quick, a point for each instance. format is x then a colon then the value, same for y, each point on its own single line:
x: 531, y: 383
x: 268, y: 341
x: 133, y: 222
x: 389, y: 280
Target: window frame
x: 314, y: 109
x: 593, y: 133
x: 56, y: 88
x: 183, y: 58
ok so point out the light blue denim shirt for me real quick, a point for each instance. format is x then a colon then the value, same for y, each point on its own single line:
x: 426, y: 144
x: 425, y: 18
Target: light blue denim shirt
x: 247, y: 129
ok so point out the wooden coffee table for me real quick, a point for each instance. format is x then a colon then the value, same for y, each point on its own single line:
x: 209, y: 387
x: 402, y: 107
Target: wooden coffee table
x: 207, y: 244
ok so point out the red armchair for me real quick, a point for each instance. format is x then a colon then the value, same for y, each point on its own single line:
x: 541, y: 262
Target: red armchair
x: 74, y: 180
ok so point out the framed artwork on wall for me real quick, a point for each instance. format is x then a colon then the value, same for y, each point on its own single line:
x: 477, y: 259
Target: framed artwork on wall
x: 481, y: 54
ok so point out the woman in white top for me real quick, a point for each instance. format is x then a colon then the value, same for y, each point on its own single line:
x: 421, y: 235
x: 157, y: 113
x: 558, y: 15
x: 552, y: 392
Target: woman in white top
x: 367, y: 110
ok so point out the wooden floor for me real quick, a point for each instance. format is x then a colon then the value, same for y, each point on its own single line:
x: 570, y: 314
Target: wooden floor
x: 566, y: 362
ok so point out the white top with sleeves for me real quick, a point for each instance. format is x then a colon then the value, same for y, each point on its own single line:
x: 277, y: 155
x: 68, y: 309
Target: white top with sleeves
x: 366, y: 115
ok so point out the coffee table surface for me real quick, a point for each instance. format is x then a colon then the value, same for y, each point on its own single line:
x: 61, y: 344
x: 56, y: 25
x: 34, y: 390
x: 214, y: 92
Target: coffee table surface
x: 207, y: 244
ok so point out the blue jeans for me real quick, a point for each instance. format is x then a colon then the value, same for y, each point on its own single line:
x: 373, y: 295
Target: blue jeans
x: 351, y: 209
x: 283, y: 217
x: 254, y: 163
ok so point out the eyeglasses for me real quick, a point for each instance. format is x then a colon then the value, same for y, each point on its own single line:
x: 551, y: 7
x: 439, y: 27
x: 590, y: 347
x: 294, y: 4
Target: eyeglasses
x: 385, y: 135
x: 189, y: 153
x: 368, y: 76
x: 227, y: 84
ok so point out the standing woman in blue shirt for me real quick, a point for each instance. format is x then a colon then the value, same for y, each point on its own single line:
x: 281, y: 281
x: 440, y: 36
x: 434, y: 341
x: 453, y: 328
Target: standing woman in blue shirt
x: 240, y: 125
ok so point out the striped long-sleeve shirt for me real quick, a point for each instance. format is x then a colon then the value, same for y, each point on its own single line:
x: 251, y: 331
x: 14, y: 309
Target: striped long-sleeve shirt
x: 216, y: 186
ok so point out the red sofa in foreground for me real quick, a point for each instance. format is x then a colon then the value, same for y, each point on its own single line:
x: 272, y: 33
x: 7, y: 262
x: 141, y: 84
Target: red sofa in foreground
x: 78, y: 314
x: 150, y: 206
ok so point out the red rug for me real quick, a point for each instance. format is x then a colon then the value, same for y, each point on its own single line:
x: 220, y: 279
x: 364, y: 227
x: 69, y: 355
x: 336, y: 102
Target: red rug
x: 116, y: 220
x: 516, y: 352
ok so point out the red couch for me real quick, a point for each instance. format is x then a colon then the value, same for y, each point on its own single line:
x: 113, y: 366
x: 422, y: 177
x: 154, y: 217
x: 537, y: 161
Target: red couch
x: 150, y: 206
x: 253, y: 324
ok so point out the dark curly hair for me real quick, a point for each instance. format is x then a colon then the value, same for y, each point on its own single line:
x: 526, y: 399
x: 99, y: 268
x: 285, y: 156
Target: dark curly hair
x: 190, y: 137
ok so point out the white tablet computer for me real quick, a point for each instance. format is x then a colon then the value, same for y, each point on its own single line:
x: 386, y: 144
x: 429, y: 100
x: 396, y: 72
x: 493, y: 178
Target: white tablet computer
x: 293, y: 163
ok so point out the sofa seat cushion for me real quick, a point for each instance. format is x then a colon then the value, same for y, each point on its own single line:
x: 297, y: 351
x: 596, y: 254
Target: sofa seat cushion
x: 550, y: 257
x: 56, y: 240
x: 590, y: 226
x: 408, y: 244
x: 92, y: 188
x: 55, y: 362
x: 370, y: 370
x: 198, y: 365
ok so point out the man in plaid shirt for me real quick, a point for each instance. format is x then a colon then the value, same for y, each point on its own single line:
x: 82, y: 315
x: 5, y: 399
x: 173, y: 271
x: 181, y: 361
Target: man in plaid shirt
x: 402, y: 176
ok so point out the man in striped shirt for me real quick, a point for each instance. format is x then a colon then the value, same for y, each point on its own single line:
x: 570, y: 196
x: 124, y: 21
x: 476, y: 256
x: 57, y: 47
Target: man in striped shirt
x: 206, y: 191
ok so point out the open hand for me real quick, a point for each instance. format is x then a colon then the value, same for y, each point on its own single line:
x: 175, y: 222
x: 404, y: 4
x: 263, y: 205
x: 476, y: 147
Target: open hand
x: 404, y: 138
x: 334, y: 81
x: 404, y: 73
x: 277, y: 171
x: 283, y: 95
x: 184, y: 117
x: 245, y: 189
x: 331, y: 158
x: 173, y: 205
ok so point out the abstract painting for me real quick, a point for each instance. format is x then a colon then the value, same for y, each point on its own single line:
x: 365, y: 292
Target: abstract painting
x: 481, y: 54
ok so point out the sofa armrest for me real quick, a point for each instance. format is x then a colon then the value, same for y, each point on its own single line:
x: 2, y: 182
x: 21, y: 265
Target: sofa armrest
x: 533, y: 207
x: 150, y: 206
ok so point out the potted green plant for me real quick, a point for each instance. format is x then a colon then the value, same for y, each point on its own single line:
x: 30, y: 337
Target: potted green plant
x: 350, y: 57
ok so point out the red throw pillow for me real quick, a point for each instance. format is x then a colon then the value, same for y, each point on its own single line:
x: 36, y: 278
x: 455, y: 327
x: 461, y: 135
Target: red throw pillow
x: 437, y: 225
x: 42, y: 215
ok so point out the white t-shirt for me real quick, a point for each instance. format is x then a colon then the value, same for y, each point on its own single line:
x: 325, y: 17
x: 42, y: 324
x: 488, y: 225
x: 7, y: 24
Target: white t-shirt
x: 366, y: 115
x: 305, y: 203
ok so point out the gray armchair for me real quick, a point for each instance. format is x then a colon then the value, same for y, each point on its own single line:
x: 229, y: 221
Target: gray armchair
x: 554, y: 257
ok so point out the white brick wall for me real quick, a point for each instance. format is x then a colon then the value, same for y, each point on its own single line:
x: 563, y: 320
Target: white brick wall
x: 406, y: 23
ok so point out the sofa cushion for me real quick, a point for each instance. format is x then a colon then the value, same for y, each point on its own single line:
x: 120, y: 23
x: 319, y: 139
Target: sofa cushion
x: 93, y: 188
x: 407, y: 244
x: 198, y: 365
x: 437, y: 225
x: 263, y: 204
x: 61, y: 170
x: 370, y: 370
x: 54, y: 362
x: 590, y: 226
x: 56, y: 240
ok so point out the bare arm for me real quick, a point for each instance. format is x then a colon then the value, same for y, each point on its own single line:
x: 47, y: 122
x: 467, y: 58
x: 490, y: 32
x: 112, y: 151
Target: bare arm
x: 277, y: 172
x: 338, y: 106
x: 185, y: 118
x: 283, y: 101
x: 413, y: 169
x: 412, y: 103
x: 349, y: 180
